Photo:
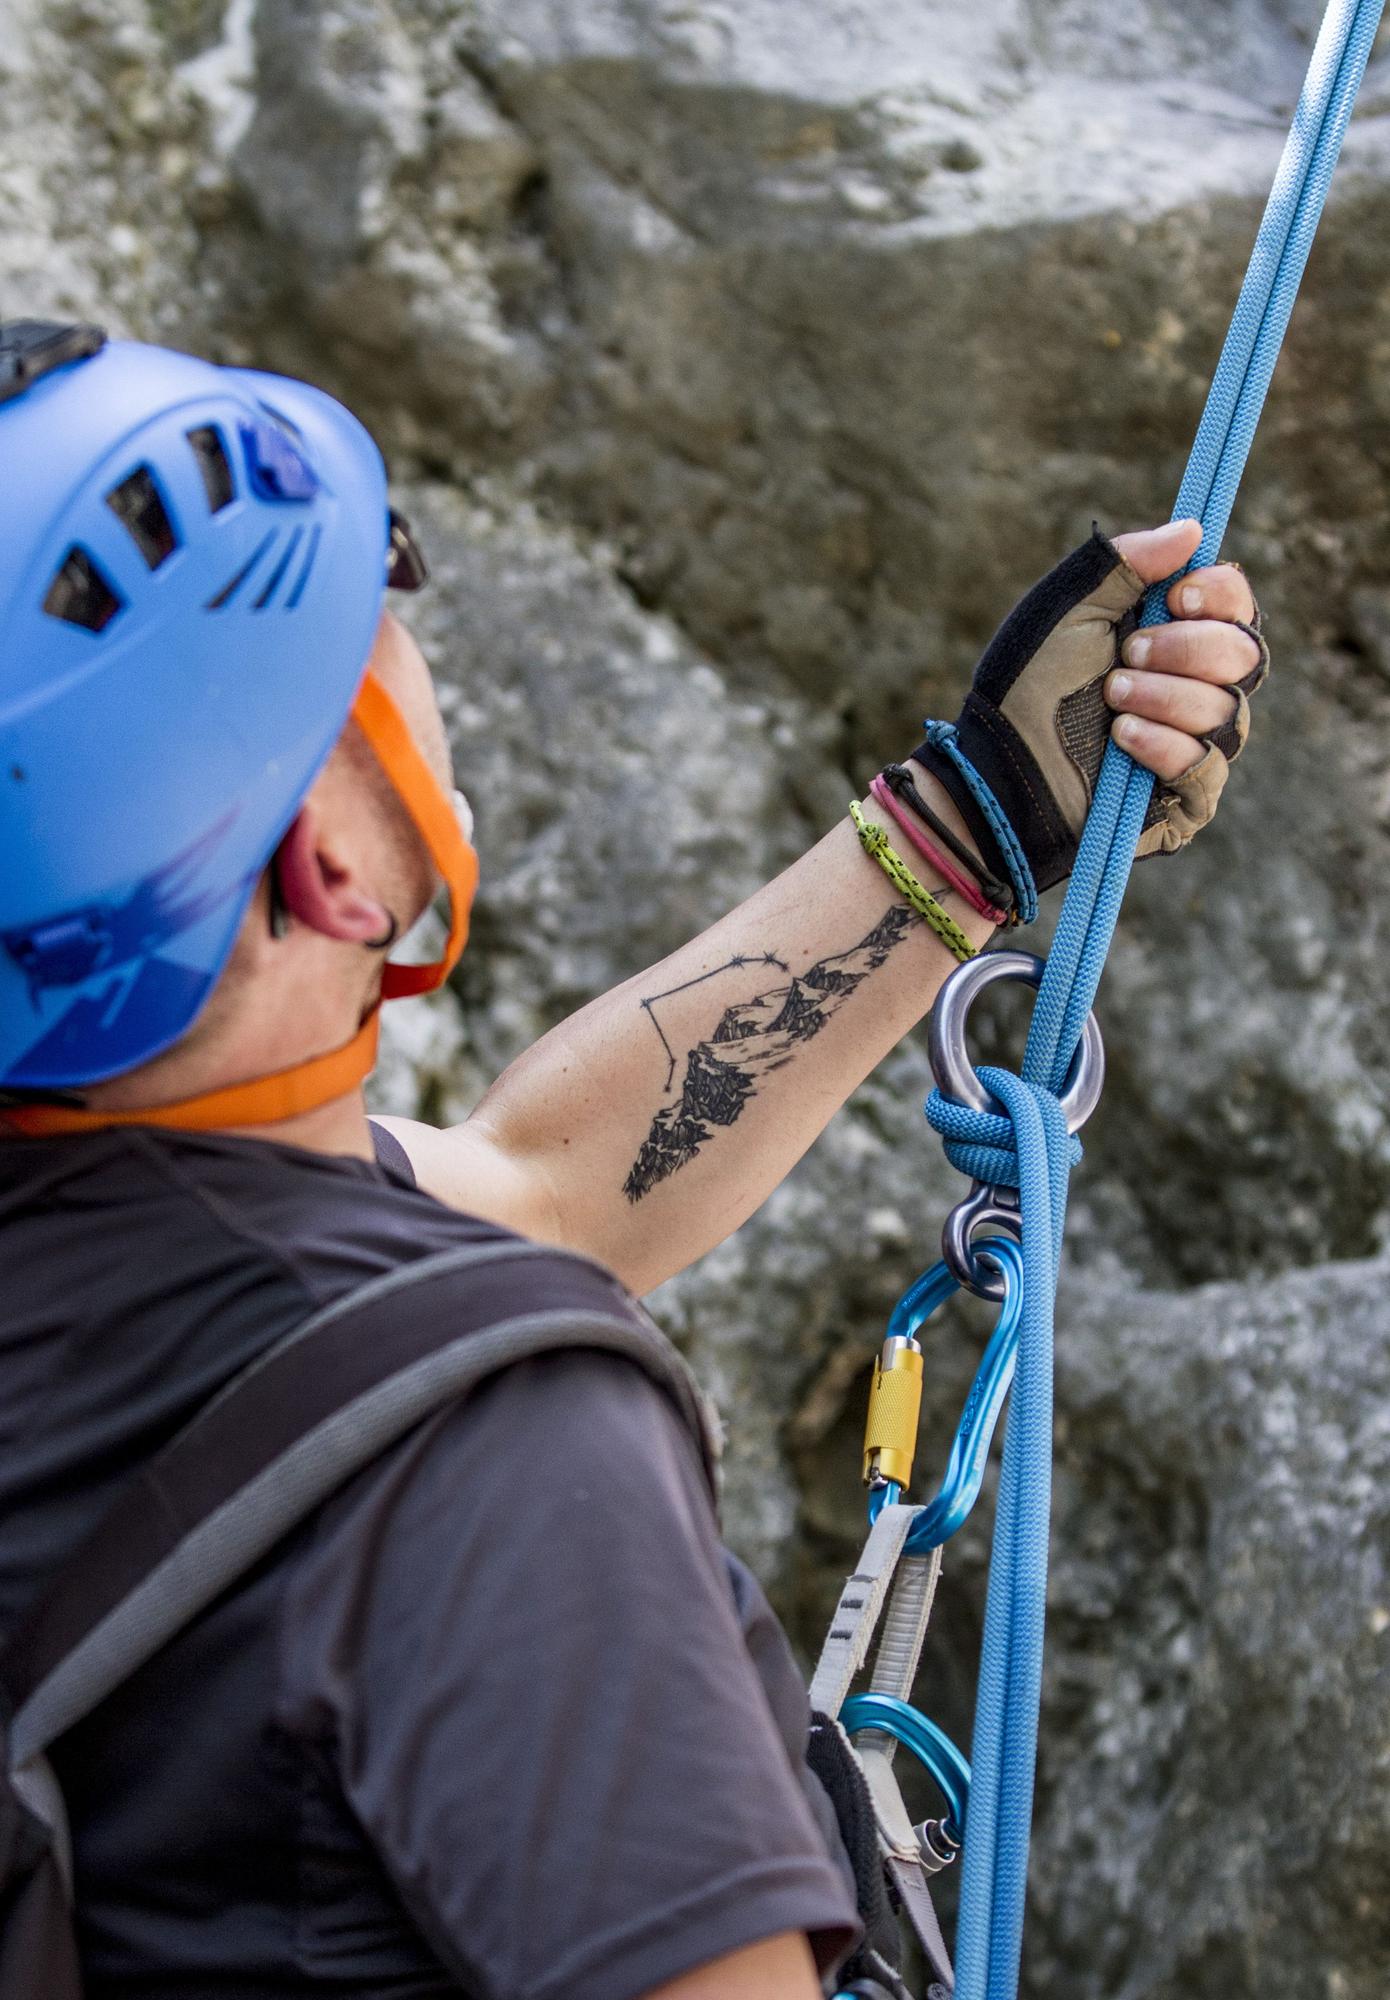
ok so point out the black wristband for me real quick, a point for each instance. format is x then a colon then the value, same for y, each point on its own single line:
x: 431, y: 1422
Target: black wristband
x: 900, y: 782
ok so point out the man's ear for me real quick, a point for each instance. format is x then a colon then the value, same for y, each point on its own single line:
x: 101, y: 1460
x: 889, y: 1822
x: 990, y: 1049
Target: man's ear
x: 318, y: 890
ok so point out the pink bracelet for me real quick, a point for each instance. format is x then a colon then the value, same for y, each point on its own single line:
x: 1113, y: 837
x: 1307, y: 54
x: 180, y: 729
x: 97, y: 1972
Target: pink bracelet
x: 951, y: 875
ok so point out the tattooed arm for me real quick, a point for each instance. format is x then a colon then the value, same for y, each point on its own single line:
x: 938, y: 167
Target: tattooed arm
x: 649, y: 1125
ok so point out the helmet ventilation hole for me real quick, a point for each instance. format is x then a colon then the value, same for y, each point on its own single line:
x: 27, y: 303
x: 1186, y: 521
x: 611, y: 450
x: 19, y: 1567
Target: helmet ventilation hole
x: 138, y: 506
x: 277, y: 575
x: 80, y: 595
x: 215, y: 466
x: 233, y: 584
x: 301, y: 582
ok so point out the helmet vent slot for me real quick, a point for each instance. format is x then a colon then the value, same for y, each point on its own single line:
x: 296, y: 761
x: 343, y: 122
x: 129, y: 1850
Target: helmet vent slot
x: 215, y: 466
x: 80, y: 595
x: 277, y: 575
x: 233, y: 584
x: 139, y: 507
x: 301, y: 582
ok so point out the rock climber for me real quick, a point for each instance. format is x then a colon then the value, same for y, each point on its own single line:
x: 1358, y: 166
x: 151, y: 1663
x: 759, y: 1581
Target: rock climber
x: 464, y: 1733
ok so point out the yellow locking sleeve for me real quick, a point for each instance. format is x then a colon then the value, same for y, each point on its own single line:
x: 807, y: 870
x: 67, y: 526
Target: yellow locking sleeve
x: 895, y: 1400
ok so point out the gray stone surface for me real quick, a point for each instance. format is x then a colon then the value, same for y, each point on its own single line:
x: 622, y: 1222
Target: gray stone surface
x: 741, y: 363
x: 1221, y: 1781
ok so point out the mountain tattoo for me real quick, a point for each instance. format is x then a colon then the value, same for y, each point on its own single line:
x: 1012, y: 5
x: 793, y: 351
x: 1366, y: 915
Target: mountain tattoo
x: 752, y: 1040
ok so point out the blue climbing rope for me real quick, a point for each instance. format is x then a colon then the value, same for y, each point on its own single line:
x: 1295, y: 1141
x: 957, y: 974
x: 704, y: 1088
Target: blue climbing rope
x: 1207, y: 494
x: 1003, y: 1754
x: 1025, y: 1144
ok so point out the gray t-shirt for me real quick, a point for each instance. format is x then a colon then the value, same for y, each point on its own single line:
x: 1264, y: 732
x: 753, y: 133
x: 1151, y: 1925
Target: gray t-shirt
x: 502, y: 1720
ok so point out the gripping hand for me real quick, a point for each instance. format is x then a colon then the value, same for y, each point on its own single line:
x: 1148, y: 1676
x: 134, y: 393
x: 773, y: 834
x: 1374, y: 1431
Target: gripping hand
x: 1022, y: 759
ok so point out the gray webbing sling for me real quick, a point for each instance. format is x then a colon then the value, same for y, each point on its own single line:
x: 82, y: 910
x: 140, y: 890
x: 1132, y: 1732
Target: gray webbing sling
x: 279, y: 1439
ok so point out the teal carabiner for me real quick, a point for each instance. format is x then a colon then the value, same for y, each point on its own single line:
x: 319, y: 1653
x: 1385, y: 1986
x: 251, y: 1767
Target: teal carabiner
x: 965, y: 1469
x: 948, y: 1767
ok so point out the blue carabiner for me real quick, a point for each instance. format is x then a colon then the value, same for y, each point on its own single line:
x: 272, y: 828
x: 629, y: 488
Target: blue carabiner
x: 965, y: 1469
x: 947, y: 1767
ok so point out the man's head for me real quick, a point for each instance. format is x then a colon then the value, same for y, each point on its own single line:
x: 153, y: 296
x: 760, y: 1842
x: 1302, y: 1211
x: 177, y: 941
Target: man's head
x: 191, y: 583
x: 351, y: 875
x: 354, y: 823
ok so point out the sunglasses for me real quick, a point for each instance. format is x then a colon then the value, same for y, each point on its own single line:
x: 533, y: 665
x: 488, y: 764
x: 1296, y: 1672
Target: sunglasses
x: 406, y: 568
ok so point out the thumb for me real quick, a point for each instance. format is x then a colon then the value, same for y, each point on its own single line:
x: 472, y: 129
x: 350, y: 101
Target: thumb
x: 1156, y: 553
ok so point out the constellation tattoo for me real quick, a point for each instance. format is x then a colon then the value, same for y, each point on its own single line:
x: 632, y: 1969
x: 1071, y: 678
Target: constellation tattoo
x: 751, y: 1040
x: 735, y: 964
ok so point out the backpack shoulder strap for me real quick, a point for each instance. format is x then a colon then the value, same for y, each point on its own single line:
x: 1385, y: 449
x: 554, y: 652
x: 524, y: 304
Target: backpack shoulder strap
x: 289, y: 1430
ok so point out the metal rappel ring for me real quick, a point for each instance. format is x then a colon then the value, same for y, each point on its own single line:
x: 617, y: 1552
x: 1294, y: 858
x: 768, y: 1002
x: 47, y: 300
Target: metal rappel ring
x: 986, y: 1206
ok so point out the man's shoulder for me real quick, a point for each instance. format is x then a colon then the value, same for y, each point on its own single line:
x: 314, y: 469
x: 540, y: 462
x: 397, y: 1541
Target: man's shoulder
x: 518, y: 1639
x: 333, y: 1220
x: 505, y: 1306
x: 556, y: 1468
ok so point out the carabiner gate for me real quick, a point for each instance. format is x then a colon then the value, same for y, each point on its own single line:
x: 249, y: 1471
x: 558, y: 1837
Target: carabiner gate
x: 965, y: 1470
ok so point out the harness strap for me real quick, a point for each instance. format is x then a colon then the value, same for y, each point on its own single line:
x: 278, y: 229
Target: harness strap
x: 910, y: 1881
x: 882, y: 1568
x: 905, y: 1627
x: 857, y: 1614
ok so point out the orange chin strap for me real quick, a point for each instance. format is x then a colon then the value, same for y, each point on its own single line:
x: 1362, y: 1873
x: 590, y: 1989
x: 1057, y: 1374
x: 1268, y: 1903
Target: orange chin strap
x: 266, y: 1100
x: 432, y: 811
x: 263, y: 1101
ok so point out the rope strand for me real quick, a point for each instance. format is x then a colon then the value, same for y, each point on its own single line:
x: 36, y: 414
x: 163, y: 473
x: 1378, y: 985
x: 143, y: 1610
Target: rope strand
x: 1028, y: 1146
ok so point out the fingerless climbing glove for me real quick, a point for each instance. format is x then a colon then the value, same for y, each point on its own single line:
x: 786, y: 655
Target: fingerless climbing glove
x: 1021, y: 761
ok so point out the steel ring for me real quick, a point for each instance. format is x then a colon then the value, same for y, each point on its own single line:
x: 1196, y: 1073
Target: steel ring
x: 985, y: 1207
x: 950, y: 1059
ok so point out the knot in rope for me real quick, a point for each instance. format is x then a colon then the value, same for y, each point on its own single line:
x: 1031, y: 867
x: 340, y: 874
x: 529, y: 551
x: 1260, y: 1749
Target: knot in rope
x: 984, y: 1144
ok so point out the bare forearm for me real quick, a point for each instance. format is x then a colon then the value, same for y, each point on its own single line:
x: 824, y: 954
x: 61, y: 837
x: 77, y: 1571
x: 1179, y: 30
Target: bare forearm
x: 650, y: 1124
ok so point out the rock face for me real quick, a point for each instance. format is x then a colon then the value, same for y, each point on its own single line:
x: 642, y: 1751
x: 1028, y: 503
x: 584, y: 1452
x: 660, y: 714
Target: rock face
x: 739, y: 366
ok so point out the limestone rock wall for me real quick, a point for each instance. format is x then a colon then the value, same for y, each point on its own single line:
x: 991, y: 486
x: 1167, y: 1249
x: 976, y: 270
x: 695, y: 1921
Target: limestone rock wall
x: 740, y: 364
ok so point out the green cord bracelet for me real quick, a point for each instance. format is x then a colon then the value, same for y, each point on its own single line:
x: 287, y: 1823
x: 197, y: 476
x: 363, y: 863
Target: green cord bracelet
x: 875, y: 842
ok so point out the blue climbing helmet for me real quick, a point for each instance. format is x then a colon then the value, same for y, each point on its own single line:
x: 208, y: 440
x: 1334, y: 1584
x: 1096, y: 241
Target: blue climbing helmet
x: 192, y: 566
